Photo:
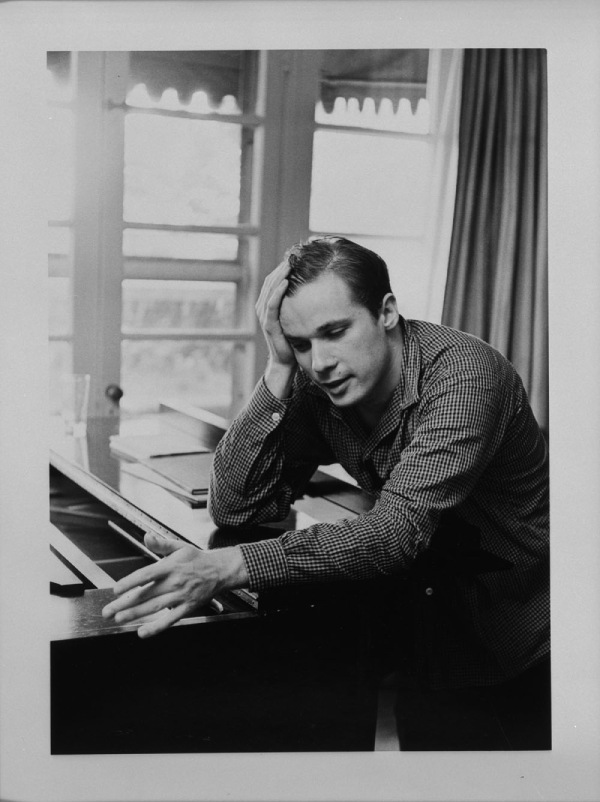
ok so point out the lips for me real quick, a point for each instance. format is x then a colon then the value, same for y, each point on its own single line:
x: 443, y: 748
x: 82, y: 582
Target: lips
x: 334, y: 386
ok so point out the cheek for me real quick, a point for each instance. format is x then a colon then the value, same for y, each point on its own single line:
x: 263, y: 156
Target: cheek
x: 303, y: 361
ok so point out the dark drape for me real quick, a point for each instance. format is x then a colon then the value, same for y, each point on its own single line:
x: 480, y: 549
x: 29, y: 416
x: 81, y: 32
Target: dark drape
x: 498, y: 264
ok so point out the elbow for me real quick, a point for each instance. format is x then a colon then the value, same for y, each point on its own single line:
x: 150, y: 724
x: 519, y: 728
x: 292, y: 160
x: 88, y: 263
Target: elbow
x: 218, y: 513
x: 233, y: 513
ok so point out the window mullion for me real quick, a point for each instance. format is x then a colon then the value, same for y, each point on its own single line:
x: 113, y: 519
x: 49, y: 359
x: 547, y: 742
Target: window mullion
x: 291, y: 90
x: 102, y: 77
x: 301, y: 90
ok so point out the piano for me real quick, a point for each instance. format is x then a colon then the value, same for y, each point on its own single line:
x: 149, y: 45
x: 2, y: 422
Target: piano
x: 282, y: 671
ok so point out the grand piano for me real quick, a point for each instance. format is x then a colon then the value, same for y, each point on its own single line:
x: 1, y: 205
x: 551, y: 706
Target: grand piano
x: 292, y: 670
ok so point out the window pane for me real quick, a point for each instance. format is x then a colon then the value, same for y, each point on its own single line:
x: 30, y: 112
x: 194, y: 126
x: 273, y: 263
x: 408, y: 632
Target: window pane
x: 373, y: 185
x: 60, y: 316
x: 180, y: 245
x: 205, y: 82
x: 409, y: 272
x: 60, y: 364
x: 381, y: 89
x: 60, y: 163
x: 196, y: 373
x: 179, y: 171
x: 178, y: 305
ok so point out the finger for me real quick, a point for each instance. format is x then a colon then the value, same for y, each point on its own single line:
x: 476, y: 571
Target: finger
x: 150, y: 573
x: 152, y: 606
x: 271, y: 281
x: 128, y: 599
x: 278, y: 293
x: 162, y: 545
x: 273, y: 305
x: 164, y: 621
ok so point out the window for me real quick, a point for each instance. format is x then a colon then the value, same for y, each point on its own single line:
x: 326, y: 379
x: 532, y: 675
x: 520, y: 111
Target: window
x: 179, y: 178
x: 373, y: 159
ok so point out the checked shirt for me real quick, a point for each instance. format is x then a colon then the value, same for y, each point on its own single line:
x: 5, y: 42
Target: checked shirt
x: 458, y: 434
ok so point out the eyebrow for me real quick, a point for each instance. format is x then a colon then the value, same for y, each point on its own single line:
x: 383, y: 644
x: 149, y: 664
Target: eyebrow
x: 322, y: 329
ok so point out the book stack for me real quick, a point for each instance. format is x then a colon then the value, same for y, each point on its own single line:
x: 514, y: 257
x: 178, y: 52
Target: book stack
x: 171, y: 461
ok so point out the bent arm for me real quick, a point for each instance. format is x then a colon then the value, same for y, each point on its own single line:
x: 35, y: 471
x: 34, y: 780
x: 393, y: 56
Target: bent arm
x: 264, y: 460
x: 460, y: 427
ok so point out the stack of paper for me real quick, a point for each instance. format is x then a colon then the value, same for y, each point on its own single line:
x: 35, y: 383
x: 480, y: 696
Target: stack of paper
x: 144, y: 446
x: 191, y: 472
x: 141, y: 471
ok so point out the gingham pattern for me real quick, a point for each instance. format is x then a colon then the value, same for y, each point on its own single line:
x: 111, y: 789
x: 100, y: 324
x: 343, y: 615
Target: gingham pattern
x: 458, y: 434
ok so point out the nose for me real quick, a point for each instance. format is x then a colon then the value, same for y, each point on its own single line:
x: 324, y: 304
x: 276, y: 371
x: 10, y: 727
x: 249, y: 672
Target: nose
x: 322, y: 358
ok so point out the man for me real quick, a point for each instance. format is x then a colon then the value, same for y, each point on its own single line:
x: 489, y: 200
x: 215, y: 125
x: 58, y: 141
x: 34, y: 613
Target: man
x: 437, y: 426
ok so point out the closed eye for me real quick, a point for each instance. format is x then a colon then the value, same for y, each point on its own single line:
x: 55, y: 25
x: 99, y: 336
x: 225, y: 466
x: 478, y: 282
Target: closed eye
x: 335, y: 333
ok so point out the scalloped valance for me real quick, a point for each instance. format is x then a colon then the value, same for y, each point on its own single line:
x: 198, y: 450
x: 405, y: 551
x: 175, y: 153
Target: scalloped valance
x: 360, y: 74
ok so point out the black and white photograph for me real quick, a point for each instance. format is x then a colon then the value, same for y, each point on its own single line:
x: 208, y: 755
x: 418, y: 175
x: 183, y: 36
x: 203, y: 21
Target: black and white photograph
x: 305, y: 430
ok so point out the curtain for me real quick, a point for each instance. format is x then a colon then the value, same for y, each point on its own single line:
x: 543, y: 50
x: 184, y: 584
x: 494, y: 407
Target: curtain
x: 498, y: 266
x: 445, y: 125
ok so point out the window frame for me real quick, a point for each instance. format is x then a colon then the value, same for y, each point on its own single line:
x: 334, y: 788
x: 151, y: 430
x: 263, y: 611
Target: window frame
x: 277, y: 138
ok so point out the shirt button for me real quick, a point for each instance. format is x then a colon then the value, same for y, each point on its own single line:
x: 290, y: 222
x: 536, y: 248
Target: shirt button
x: 276, y: 416
x: 429, y: 591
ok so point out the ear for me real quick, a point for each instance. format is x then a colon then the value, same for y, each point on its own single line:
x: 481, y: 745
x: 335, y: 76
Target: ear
x: 389, y: 312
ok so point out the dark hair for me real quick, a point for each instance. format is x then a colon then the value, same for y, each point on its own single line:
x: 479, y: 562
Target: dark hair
x: 364, y: 272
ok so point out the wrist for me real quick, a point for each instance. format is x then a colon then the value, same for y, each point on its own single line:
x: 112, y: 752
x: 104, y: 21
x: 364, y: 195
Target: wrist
x: 232, y: 573
x: 279, y: 378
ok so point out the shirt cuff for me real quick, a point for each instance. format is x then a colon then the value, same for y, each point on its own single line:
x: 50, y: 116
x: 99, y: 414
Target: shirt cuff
x: 265, y: 563
x: 265, y: 410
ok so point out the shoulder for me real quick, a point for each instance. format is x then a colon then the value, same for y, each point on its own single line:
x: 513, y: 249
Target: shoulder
x: 448, y: 352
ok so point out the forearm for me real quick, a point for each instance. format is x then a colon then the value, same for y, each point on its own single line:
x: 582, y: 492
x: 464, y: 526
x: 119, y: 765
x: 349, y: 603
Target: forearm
x: 280, y: 379
x: 363, y: 548
x: 246, y: 484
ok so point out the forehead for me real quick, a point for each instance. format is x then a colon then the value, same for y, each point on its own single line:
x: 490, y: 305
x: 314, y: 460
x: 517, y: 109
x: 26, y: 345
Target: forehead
x: 318, y: 304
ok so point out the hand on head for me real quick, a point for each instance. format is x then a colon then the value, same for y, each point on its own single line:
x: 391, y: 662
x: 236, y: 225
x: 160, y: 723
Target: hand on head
x: 282, y: 362
x: 268, y: 308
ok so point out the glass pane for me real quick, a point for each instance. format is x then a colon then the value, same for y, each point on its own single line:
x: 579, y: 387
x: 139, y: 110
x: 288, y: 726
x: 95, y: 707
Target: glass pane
x: 60, y: 363
x: 369, y: 184
x: 179, y: 171
x: 380, y: 89
x: 180, y: 245
x: 60, y: 163
x: 178, y: 304
x: 60, y: 314
x: 193, y: 372
x: 60, y: 84
x: 204, y: 82
x: 409, y: 272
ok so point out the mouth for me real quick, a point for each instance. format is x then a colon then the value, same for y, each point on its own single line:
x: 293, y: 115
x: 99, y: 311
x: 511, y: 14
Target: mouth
x: 335, y: 387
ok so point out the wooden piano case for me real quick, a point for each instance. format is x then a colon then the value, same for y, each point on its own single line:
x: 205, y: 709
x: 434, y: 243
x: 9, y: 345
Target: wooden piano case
x: 284, y: 671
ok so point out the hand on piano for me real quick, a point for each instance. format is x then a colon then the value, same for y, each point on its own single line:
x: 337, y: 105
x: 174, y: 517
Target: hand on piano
x: 184, y: 579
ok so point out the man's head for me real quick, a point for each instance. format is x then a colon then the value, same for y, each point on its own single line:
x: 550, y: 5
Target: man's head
x: 344, y: 332
x: 364, y: 272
